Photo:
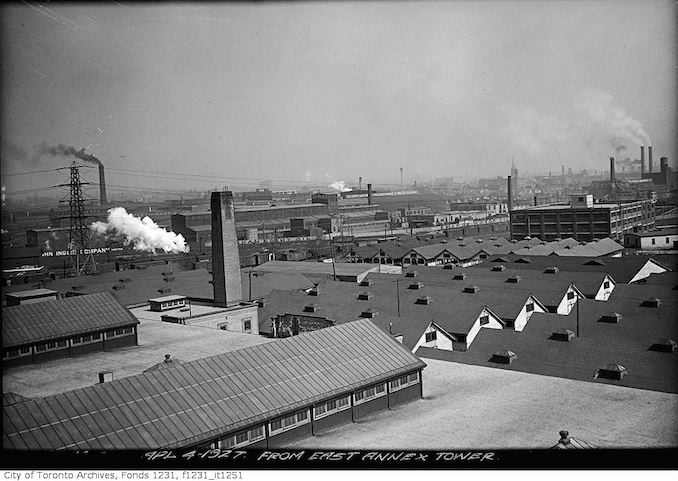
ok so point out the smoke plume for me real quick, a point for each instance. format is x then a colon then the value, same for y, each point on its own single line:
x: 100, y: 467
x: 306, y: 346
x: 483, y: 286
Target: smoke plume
x: 142, y: 234
x: 340, y: 186
x: 67, y: 150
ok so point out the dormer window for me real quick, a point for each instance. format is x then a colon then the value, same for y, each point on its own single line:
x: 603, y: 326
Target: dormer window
x: 551, y: 270
x: 651, y: 302
x: 514, y: 279
x: 459, y: 277
x: 471, y: 289
x: 498, y: 268
x: 416, y: 285
x: 426, y: 300
x: 364, y: 296
x: 313, y: 291
x: 313, y: 307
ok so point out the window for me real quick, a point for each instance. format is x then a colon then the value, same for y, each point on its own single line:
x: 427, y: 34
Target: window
x: 484, y: 320
x: 289, y: 421
x: 62, y: 343
x: 370, y: 392
x: 276, y: 425
x: 570, y: 296
x: 653, y: 241
x: 226, y: 443
x: 320, y: 410
x: 96, y: 337
x: 256, y: 433
x: 76, y: 340
x: 359, y: 396
x: 247, y: 325
x: 379, y: 388
x: 332, y: 405
x: 606, y: 285
x: 529, y: 307
x: 302, y: 416
x: 241, y: 438
x: 40, y: 348
x: 404, y: 381
x: 24, y: 350
x: 431, y: 336
x: 667, y: 240
x: 11, y: 353
x: 341, y: 402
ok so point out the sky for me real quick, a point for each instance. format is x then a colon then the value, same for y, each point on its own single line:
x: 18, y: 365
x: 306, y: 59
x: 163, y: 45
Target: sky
x: 171, y: 95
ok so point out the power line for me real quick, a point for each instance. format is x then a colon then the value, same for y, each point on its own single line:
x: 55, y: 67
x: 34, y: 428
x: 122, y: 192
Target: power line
x: 33, y: 172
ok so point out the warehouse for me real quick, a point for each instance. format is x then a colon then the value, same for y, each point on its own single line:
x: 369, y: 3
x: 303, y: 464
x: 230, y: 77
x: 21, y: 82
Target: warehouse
x: 654, y: 240
x: 582, y: 219
x: 294, y: 388
x: 68, y: 327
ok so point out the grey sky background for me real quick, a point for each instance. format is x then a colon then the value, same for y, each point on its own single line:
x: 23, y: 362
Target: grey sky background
x: 332, y: 91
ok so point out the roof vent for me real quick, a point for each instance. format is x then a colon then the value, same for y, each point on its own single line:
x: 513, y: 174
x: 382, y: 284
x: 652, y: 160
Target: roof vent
x: 411, y: 274
x: 551, y: 270
x: 416, y: 285
x: 612, y: 371
x: 312, y: 307
x: 105, y: 376
x: 498, y: 268
x: 262, y: 302
x: 460, y: 276
x: 514, y: 279
x: 426, y: 300
x: 366, y: 282
x: 611, y: 317
x: 503, y: 357
x: 562, y: 335
x: 165, y: 290
x: 364, y: 296
x: 664, y: 345
x: 471, y: 289
x: 313, y: 291
x: 368, y: 313
x: 651, y: 302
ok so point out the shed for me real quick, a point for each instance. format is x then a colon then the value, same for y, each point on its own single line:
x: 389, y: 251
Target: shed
x: 612, y: 371
x: 30, y: 296
x: 165, y: 303
x: 503, y: 357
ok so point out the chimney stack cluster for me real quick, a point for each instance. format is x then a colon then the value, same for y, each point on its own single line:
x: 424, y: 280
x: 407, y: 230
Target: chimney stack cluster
x: 642, y: 160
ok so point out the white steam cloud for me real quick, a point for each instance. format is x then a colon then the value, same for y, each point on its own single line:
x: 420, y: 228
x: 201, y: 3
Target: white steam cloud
x: 142, y: 234
x: 340, y: 186
x: 594, y: 126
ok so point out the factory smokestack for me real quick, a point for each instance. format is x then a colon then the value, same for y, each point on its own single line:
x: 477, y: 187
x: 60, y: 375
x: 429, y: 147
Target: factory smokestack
x: 642, y: 160
x: 612, y: 176
x: 102, y: 186
x: 663, y: 164
x: 510, y: 194
x: 225, y: 258
x: 535, y: 201
x: 369, y: 194
x: 360, y: 183
x: 649, y: 158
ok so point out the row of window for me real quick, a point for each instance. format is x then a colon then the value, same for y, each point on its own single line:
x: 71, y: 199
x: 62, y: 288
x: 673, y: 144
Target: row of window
x: 63, y: 344
x: 242, y: 439
x: 289, y: 422
x: 331, y: 407
x: 404, y: 381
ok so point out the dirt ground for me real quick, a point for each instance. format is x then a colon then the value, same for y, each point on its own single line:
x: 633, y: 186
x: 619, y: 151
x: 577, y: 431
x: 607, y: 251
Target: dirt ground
x: 468, y: 406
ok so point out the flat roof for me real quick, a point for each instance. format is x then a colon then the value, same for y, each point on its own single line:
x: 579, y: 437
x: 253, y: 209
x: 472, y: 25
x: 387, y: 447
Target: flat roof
x: 32, y: 293
x: 608, y: 205
x: 155, y: 339
x: 325, y: 268
x: 167, y: 298
x: 200, y: 400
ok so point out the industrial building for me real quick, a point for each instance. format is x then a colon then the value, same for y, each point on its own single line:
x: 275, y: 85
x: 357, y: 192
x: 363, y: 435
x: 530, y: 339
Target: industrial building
x: 320, y: 379
x: 582, y: 219
x: 54, y: 329
x: 654, y: 240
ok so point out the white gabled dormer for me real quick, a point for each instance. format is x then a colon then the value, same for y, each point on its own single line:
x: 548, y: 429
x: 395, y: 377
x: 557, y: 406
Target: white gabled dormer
x: 531, y: 306
x: 485, y: 320
x: 650, y: 267
x: 605, y: 289
x: 569, y: 300
x: 436, y: 337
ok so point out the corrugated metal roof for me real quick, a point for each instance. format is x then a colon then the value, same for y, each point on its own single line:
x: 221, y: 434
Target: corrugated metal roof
x: 41, y: 321
x: 200, y: 400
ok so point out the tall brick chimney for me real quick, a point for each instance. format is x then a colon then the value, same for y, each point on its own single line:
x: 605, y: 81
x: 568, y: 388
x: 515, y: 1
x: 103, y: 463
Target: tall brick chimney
x: 612, y: 174
x: 649, y: 159
x: 102, y: 186
x: 642, y: 160
x: 225, y: 258
x: 369, y: 194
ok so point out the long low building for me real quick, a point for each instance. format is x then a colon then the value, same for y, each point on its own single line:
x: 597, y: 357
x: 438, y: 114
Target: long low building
x: 260, y: 396
x: 68, y: 327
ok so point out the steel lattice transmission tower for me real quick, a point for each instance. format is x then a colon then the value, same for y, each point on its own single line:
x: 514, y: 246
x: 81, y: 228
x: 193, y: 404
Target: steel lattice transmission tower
x: 78, y: 233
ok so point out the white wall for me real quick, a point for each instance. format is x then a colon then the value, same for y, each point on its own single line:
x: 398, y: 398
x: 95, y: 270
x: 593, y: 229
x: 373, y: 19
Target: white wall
x: 229, y: 320
x: 659, y: 242
x: 603, y: 293
x: 442, y: 341
x: 524, y: 316
x: 566, y: 305
x: 493, y: 324
x: 649, y: 268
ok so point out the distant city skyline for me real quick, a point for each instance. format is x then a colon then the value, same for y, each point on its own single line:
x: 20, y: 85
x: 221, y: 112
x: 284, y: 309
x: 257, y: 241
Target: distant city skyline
x: 237, y: 94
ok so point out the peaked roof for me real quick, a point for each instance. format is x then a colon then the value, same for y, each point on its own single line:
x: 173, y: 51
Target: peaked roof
x: 31, y: 323
x: 203, y: 399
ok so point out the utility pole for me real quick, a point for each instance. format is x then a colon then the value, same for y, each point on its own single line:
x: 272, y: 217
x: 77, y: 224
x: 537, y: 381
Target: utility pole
x: 397, y: 281
x: 334, y: 270
x: 578, y: 316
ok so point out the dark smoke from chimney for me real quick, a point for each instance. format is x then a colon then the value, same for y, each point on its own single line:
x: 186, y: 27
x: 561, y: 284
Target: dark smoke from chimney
x: 67, y: 150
